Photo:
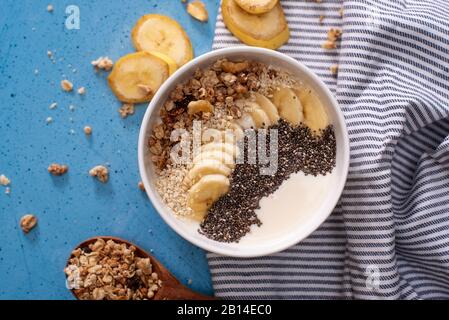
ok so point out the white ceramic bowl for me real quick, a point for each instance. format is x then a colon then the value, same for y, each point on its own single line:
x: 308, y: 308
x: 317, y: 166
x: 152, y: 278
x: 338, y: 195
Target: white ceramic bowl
x: 188, y: 229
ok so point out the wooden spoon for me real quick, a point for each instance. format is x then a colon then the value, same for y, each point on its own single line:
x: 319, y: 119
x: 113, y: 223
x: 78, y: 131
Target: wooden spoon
x: 171, y: 288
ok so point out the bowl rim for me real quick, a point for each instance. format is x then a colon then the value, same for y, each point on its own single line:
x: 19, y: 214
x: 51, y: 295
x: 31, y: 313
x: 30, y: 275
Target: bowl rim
x: 160, y: 207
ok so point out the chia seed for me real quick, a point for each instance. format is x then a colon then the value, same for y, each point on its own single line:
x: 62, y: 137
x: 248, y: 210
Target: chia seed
x: 231, y: 217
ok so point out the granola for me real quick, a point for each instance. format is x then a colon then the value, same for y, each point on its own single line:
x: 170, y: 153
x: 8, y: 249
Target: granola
x: 66, y: 85
x: 126, y: 109
x: 100, y: 172
x: 58, y: 169
x: 4, y: 181
x: 103, y: 63
x: 108, y: 270
x: 28, y: 222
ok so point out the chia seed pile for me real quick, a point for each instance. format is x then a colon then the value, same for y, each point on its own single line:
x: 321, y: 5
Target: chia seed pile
x: 231, y: 217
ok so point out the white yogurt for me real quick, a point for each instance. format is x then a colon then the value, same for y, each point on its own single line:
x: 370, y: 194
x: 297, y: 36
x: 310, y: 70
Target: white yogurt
x: 297, y: 198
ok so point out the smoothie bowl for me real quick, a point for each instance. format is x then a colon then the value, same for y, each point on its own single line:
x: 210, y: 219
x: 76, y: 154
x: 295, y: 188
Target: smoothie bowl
x: 243, y: 151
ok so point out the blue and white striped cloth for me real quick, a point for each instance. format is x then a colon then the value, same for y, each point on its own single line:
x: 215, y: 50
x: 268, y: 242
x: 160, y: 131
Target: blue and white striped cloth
x: 389, y: 235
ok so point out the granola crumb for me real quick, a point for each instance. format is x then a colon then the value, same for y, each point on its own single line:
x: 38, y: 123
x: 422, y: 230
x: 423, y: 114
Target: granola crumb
x: 66, y: 85
x: 198, y: 10
x: 58, y: 169
x: 126, y: 109
x: 49, y: 120
x: 333, y: 34
x: 49, y: 54
x: 333, y: 69
x: 53, y: 106
x: 50, y: 8
x: 100, y: 172
x: 103, y: 63
x: 81, y: 90
x: 4, y: 181
x: 321, y: 19
x: 87, y: 130
x: 28, y: 222
x: 141, y: 186
x: 340, y: 12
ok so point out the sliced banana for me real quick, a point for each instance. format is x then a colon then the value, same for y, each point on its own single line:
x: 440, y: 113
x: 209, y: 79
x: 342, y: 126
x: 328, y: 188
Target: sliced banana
x: 267, y: 106
x: 256, y: 6
x: 221, y: 156
x: 172, y: 66
x: 260, y: 117
x: 205, y: 167
x: 268, y: 30
x: 155, y: 32
x: 237, y: 131
x: 137, y: 76
x: 315, y: 115
x: 289, y: 105
x: 199, y: 106
x: 206, y: 191
x: 229, y: 148
x: 246, y: 122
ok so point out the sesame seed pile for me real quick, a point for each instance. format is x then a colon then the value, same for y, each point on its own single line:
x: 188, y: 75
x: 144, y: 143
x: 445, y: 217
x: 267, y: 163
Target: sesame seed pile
x: 231, y: 217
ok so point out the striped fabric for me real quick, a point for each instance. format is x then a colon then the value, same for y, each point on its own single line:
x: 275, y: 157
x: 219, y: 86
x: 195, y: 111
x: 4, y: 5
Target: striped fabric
x: 389, y: 235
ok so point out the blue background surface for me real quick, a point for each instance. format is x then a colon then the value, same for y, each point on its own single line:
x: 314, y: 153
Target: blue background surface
x: 76, y: 206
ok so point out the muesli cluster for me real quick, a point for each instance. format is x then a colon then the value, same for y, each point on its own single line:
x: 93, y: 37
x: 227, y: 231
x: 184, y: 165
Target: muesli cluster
x: 107, y: 270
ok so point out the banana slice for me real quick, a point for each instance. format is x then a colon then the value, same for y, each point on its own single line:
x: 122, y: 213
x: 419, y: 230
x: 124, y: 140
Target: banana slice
x: 237, y: 131
x: 229, y: 148
x: 289, y: 105
x: 137, y: 76
x: 206, y: 191
x: 246, y: 122
x: 260, y: 117
x: 221, y: 156
x: 256, y: 6
x: 267, y: 106
x: 172, y: 66
x: 206, y: 167
x: 268, y: 30
x: 155, y: 32
x: 315, y: 115
x: 199, y: 106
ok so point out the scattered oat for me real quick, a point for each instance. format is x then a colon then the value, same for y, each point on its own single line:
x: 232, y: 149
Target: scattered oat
x: 109, y: 270
x: 87, y: 130
x: 103, y: 63
x: 50, y: 8
x: 198, y: 10
x: 141, y: 186
x: 100, y: 172
x: 58, y: 169
x: 28, y: 222
x: 81, y: 91
x: 4, y: 181
x: 126, y: 109
x: 49, y: 120
x: 321, y: 19
x: 66, y: 85
x: 333, y: 69
x: 53, y: 106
